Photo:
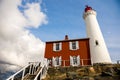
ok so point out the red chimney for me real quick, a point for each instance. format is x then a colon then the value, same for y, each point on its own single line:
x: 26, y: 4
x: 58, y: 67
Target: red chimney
x: 66, y: 37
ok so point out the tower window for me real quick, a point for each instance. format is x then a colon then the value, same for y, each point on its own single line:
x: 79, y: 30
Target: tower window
x: 96, y: 42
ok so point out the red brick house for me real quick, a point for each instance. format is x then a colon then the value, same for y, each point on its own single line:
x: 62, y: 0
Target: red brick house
x: 68, y: 52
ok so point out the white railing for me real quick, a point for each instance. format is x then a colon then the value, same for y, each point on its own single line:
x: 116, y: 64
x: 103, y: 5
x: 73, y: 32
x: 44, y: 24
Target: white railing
x: 43, y: 72
x: 33, y: 68
x: 22, y: 70
x: 65, y: 63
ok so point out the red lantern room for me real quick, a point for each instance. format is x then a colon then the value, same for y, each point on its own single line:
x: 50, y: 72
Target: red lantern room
x: 88, y: 8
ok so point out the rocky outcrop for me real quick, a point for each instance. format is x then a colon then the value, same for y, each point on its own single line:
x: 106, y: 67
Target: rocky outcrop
x: 95, y: 72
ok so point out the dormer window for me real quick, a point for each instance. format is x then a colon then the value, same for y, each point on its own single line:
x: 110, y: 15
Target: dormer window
x: 57, y: 46
x: 74, y: 45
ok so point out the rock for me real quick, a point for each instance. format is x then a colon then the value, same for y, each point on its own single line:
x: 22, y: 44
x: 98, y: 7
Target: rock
x: 71, y: 75
x: 86, y: 78
x: 67, y: 79
x: 118, y: 71
x: 106, y: 74
x: 91, y: 70
x: 110, y: 70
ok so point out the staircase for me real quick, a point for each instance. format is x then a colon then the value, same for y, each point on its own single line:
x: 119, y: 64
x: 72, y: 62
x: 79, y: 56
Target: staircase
x: 33, y: 71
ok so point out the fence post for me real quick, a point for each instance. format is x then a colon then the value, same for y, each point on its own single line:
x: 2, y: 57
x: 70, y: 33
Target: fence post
x: 64, y: 63
x: 82, y: 62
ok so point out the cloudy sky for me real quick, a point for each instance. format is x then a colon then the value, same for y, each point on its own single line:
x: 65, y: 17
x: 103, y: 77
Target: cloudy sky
x: 18, y: 45
x: 25, y: 26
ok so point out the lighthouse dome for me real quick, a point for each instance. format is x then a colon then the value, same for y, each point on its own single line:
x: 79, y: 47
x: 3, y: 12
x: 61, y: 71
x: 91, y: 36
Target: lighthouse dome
x: 88, y: 8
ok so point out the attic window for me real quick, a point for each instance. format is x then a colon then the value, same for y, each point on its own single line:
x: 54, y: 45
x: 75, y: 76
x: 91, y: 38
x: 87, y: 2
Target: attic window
x: 96, y: 42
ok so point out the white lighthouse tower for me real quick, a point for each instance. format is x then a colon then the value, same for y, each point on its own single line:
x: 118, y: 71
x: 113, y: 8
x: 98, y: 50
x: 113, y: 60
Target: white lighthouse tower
x: 98, y: 49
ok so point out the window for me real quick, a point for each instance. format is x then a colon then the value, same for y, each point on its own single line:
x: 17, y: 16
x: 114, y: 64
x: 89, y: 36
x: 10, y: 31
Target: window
x: 96, y: 42
x: 75, y: 60
x: 57, y: 46
x: 56, y: 61
x: 74, y: 45
x: 50, y: 62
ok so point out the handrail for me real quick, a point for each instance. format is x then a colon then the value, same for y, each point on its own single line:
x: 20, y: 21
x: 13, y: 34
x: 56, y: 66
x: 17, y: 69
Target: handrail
x: 11, y: 77
x: 44, y: 67
x: 33, y: 68
x: 38, y: 74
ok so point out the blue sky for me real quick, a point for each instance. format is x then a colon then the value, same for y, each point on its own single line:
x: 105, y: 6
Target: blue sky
x: 65, y: 17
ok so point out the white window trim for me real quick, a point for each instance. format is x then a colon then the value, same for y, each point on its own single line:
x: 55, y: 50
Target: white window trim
x: 60, y: 59
x: 78, y: 61
x: 60, y: 46
x: 77, y: 45
x: 71, y: 60
x: 54, y: 63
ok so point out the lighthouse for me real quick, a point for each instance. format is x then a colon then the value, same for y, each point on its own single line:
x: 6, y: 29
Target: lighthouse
x: 98, y: 49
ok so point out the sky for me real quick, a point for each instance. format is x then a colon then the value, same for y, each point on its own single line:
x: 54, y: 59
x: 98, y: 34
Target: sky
x: 65, y: 17
x: 18, y: 45
x: 25, y: 26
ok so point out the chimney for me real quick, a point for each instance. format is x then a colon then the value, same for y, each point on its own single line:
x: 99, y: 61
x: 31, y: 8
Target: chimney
x: 66, y: 37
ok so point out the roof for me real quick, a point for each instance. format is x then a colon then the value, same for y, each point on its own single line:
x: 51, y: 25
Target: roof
x: 68, y: 40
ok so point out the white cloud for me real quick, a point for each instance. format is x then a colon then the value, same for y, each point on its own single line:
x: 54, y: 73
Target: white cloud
x: 34, y: 15
x: 17, y: 45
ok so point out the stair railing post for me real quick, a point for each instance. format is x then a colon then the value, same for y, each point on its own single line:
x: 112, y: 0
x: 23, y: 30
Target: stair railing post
x: 30, y: 69
x: 33, y: 69
x: 23, y: 74
x: 13, y: 78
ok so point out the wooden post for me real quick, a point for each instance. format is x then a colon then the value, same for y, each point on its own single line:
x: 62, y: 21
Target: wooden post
x: 82, y: 62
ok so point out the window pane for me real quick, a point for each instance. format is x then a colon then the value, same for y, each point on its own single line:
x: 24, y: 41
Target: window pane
x: 57, y: 60
x: 57, y: 46
x: 74, y: 60
x: 74, y: 45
